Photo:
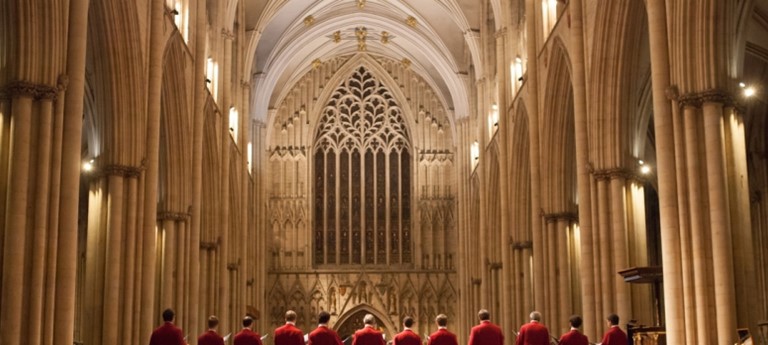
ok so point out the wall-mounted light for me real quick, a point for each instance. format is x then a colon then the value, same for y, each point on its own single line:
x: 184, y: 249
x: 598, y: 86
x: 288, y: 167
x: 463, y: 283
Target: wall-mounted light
x: 233, y: 121
x: 88, y: 165
x: 250, y: 155
x: 175, y: 12
x: 645, y: 169
x: 749, y: 91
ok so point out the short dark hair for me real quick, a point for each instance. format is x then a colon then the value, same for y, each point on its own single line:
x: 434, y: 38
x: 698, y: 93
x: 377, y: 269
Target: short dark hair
x: 247, y: 321
x: 290, y: 316
x: 614, y: 319
x: 483, y: 314
x: 323, y: 317
x: 575, y: 321
x: 408, y: 321
x: 168, y: 315
x: 442, y: 320
x: 213, y: 321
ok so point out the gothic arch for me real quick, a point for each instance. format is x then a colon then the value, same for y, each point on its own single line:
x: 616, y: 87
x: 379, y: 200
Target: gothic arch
x: 175, y: 132
x: 366, y: 61
x: 621, y: 60
x: 558, y: 167
x: 389, y: 328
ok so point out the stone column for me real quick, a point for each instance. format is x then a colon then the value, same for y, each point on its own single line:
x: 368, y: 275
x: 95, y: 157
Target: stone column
x: 621, y: 248
x: 606, y: 246
x: 665, y: 151
x: 66, y: 257
x: 22, y: 98
x: 40, y: 230
x: 198, y: 114
x: 167, y: 286
x: 564, y: 278
x: 576, y: 50
x: 532, y: 107
x: 719, y: 217
x: 700, y: 321
x: 113, y: 257
x: 149, y: 224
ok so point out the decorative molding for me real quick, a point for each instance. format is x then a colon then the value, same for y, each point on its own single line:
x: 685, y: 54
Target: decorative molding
x: 435, y: 157
x: 697, y: 99
x: 175, y: 216
x: 62, y: 82
x: 411, y: 21
x: 520, y: 245
x: 288, y: 153
x: 30, y: 90
x: 609, y: 174
x: 672, y: 93
x: 227, y: 34
x: 309, y: 20
x: 554, y: 217
x: 209, y: 246
x: 119, y: 170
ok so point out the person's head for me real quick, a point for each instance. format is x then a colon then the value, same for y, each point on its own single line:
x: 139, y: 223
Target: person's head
x: 612, y: 319
x: 247, y: 322
x: 441, y: 320
x: 408, y: 322
x: 368, y: 319
x: 484, y: 315
x: 168, y: 315
x: 290, y: 316
x: 535, y: 316
x: 575, y: 321
x: 213, y: 321
x: 323, y: 317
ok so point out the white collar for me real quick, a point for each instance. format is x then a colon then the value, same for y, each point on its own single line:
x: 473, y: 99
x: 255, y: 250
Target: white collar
x: 290, y: 323
x: 442, y: 327
x: 323, y: 325
x: 407, y: 329
x: 369, y: 326
x: 574, y: 329
x: 614, y: 326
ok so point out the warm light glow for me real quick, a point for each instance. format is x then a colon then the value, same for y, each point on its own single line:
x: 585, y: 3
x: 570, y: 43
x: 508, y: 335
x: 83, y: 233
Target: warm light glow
x: 749, y: 92
x: 250, y: 157
x: 233, y: 121
x: 474, y: 152
x: 212, y: 74
x: 645, y: 169
x: 742, y: 85
x: 88, y: 166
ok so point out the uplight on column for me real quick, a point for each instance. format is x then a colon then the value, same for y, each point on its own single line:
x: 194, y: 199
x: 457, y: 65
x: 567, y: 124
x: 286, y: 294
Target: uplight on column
x: 493, y: 120
x: 645, y: 169
x: 212, y: 77
x: 474, y: 152
x: 233, y: 119
x: 249, y: 151
x: 88, y: 166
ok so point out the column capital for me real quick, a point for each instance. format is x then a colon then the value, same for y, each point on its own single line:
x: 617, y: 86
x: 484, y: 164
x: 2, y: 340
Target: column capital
x: 558, y: 216
x: 227, y: 34
x: 697, y: 99
x: 175, y: 216
x: 121, y: 170
x: 614, y: 173
x: 22, y: 88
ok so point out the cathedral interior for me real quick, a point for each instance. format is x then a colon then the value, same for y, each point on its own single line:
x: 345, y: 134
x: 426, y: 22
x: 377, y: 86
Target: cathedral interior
x: 387, y: 157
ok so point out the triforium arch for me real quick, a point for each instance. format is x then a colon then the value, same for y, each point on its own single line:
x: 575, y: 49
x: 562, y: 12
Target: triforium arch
x: 559, y: 219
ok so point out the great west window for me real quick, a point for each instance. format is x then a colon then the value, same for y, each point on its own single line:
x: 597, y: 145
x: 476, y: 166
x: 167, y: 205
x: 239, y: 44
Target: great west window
x: 362, y: 177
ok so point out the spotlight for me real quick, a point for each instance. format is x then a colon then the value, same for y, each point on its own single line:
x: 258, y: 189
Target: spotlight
x: 88, y: 166
x: 742, y: 85
x: 749, y: 92
x: 645, y: 170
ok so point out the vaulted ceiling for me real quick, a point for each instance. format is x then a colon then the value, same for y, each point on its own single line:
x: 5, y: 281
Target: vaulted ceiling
x: 439, y: 37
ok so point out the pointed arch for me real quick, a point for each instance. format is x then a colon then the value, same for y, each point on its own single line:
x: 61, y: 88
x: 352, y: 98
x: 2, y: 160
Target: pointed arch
x: 558, y: 163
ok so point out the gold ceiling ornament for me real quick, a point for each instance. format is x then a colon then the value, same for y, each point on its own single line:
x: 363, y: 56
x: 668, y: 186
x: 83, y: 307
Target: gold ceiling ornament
x: 316, y: 63
x: 361, y: 4
x: 337, y: 37
x: 411, y: 21
x: 361, y: 34
x: 384, y: 37
x: 309, y: 20
x: 406, y: 62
